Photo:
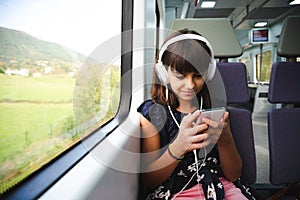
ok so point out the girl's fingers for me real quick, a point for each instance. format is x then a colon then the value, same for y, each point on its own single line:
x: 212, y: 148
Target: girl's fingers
x: 225, y: 117
x: 200, y: 138
x: 200, y: 128
x: 196, y: 129
x: 200, y: 145
x: 211, y: 123
x: 189, y: 119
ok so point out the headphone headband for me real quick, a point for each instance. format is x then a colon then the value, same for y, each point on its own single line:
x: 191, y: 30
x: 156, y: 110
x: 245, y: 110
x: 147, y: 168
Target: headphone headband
x: 189, y: 36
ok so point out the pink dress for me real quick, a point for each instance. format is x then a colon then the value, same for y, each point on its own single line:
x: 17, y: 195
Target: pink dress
x: 231, y: 192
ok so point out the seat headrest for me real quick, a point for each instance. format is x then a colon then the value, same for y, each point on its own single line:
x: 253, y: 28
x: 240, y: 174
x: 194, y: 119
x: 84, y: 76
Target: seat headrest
x: 288, y: 45
x: 215, y: 30
x: 234, y: 76
x: 285, y: 83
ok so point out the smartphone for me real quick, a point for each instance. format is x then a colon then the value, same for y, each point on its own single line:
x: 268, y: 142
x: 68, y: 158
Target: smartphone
x: 215, y: 114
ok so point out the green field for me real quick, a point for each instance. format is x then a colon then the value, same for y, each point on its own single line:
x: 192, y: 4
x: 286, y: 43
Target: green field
x: 36, y: 122
x: 37, y: 117
x: 47, y: 89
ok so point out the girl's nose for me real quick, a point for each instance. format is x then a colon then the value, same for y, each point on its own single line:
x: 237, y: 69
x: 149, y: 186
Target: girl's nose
x: 190, y: 81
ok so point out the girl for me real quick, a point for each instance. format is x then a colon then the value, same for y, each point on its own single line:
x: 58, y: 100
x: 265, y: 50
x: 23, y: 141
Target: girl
x: 182, y: 159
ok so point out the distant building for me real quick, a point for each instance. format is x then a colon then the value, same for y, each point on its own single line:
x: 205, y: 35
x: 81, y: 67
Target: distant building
x: 20, y: 72
x: 48, y: 70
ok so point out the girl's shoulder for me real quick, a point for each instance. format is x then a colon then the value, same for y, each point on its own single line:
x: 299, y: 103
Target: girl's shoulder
x: 145, y: 106
x: 150, y: 109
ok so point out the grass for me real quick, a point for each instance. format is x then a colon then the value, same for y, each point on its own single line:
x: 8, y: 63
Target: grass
x: 38, y: 89
x: 35, y: 119
x: 34, y: 124
x: 29, y: 142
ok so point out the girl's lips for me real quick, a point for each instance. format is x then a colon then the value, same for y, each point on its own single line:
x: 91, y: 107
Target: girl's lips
x: 189, y: 93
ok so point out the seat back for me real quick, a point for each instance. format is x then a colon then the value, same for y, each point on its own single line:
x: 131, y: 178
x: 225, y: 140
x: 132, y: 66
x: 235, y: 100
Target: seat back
x: 284, y: 123
x: 235, y: 81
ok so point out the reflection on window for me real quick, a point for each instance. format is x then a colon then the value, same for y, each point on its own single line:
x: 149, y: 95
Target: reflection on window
x: 41, y: 55
x: 263, y: 66
x: 246, y: 62
x: 96, y: 95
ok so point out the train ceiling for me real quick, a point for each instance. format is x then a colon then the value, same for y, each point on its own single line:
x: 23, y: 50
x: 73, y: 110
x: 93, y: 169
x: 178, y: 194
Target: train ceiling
x: 242, y: 13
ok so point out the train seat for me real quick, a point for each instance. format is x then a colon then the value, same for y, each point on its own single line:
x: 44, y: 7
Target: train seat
x: 236, y: 88
x: 284, y: 121
x: 284, y: 124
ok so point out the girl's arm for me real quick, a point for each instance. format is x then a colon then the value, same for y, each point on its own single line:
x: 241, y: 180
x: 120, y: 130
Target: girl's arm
x: 157, y: 168
x: 230, y: 159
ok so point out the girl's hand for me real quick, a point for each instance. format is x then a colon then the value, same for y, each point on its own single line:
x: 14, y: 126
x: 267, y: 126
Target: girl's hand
x: 218, y: 131
x: 191, y: 135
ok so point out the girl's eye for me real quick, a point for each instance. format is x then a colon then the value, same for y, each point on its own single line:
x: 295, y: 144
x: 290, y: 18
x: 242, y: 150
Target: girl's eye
x: 180, y: 77
x: 198, y: 76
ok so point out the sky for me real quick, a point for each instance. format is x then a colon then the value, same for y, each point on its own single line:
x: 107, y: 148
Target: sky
x: 81, y: 25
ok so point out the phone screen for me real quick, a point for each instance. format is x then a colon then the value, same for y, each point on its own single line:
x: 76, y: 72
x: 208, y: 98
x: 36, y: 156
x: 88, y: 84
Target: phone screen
x: 214, y: 114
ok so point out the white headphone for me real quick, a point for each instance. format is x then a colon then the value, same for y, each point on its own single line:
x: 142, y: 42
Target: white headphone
x: 161, y: 69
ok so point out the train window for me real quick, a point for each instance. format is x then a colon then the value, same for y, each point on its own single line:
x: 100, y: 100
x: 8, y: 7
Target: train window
x: 263, y: 66
x: 43, y: 45
x: 246, y: 62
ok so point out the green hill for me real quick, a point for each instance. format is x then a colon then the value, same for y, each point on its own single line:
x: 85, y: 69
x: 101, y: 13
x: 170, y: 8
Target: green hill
x: 20, y: 46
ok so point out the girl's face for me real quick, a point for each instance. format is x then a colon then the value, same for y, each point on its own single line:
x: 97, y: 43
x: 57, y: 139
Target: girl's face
x: 185, y: 86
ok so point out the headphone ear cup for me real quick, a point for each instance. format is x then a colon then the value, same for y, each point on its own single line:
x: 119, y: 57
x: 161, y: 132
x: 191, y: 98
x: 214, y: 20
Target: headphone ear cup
x: 211, y: 69
x: 162, y: 73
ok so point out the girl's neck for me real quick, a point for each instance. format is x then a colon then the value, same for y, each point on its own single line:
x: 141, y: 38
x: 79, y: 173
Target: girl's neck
x: 186, y: 107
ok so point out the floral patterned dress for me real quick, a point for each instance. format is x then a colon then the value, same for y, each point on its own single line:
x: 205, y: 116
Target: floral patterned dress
x: 185, y: 175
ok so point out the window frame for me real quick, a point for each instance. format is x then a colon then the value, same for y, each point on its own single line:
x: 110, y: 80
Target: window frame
x: 41, y: 180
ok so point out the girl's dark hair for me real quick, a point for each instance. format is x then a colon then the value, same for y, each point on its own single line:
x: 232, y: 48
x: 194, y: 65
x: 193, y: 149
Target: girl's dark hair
x: 184, y: 56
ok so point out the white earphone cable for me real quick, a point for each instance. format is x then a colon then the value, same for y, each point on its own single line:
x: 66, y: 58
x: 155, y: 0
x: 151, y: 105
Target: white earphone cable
x: 194, y: 151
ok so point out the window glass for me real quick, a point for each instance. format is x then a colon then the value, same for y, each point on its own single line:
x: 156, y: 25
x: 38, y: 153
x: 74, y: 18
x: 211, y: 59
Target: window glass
x: 263, y: 67
x: 43, y: 46
x: 246, y: 62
